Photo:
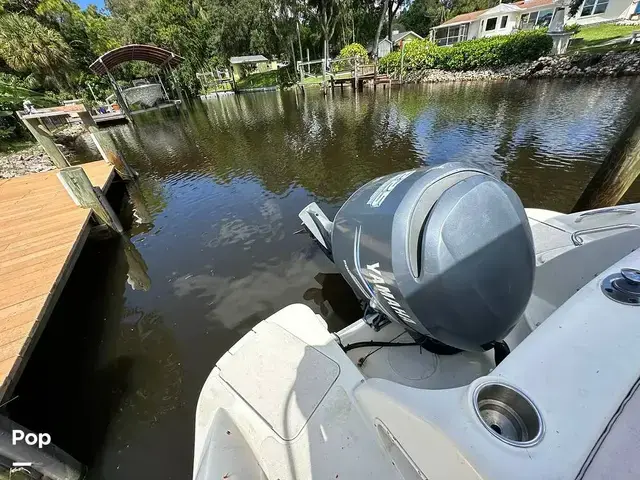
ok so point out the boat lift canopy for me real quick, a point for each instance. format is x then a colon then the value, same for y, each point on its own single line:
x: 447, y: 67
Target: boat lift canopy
x: 147, y: 53
x: 128, y: 53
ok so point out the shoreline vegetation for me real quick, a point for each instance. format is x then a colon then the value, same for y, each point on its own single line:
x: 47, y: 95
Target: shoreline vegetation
x: 25, y: 157
x: 521, y: 55
x: 573, y: 65
x: 47, y: 46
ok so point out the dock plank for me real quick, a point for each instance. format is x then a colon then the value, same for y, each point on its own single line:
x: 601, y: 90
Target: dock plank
x: 41, y: 234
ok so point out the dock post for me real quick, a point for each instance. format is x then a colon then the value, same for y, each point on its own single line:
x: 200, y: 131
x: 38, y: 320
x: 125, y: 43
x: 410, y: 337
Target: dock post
x: 618, y: 171
x: 44, y: 138
x: 166, y: 95
x: 355, y: 74
x: 401, y: 62
x: 137, y: 275
x: 49, y: 461
x: 110, y: 154
x: 84, y: 194
x: 124, y: 106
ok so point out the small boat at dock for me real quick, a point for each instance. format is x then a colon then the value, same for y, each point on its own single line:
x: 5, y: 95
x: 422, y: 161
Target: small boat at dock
x: 496, y: 342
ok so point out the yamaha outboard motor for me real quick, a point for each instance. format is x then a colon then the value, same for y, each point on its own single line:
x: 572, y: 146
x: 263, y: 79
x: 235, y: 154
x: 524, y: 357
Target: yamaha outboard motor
x: 446, y: 251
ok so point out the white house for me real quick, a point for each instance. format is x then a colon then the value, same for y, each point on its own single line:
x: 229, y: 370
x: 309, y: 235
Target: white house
x: 507, y: 18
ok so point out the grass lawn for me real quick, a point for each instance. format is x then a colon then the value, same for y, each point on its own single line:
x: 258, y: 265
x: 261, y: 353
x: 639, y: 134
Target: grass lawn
x: 312, y: 79
x: 222, y: 87
x: 318, y: 78
x: 598, y: 35
x: 257, y: 80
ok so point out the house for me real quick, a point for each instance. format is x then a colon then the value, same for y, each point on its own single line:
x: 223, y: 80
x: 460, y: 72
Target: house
x: 398, y: 38
x: 507, y: 18
x: 248, y: 64
x: 386, y: 46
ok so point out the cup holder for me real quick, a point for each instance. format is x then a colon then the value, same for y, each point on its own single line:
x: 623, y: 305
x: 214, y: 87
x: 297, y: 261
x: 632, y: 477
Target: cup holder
x: 508, y: 414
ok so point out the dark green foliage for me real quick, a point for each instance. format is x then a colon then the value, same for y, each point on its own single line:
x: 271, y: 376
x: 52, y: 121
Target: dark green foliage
x: 492, y: 52
x: 350, y: 52
x: 421, y: 16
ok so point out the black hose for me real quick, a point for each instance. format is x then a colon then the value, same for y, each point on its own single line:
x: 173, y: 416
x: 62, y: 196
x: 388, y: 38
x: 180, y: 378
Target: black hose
x: 372, y: 343
x: 427, y: 343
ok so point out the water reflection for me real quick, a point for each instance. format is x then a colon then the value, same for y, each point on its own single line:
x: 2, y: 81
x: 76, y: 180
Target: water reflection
x: 224, y: 182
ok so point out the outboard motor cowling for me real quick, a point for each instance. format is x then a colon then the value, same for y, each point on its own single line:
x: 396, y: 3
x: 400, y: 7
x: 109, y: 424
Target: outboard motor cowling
x: 446, y: 251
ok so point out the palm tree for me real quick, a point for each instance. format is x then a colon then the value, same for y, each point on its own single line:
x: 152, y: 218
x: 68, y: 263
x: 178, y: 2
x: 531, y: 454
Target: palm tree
x: 28, y: 46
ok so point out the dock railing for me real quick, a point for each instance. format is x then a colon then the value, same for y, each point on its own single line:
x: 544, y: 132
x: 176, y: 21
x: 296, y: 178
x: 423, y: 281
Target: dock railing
x: 338, y: 70
x: 312, y: 72
x: 220, y: 80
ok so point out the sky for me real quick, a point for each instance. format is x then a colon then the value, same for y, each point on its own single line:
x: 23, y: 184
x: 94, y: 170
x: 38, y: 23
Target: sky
x: 85, y: 3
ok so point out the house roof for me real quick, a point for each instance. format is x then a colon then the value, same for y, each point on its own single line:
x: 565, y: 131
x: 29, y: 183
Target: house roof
x: 396, y: 37
x: 527, y: 4
x: 501, y: 8
x: 464, y: 18
x: 523, y: 5
x: 248, y: 59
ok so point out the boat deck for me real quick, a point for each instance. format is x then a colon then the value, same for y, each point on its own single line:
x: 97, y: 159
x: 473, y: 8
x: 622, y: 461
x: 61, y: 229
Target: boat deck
x: 41, y: 234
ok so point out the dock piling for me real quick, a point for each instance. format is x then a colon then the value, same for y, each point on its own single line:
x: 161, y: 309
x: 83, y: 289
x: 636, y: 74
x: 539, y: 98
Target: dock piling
x: 109, y: 153
x: 45, y: 139
x: 618, y: 171
x: 84, y: 194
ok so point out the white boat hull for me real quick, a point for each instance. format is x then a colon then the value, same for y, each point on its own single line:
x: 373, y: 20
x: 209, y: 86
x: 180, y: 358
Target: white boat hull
x: 287, y: 402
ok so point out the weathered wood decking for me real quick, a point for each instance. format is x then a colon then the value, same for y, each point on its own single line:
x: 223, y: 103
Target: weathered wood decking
x: 41, y: 234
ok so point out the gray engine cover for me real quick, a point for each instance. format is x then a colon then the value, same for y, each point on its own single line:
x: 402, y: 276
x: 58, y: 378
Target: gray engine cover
x: 446, y: 251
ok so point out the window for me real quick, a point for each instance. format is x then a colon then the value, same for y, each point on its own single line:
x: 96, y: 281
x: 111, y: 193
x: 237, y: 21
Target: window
x: 593, y: 7
x: 524, y: 21
x: 451, y: 35
x: 544, y: 18
x: 503, y: 22
x: 491, y: 23
x: 536, y: 19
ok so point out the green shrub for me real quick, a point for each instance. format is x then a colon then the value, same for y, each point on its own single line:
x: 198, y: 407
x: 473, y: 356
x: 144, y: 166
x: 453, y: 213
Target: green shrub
x: 350, y: 51
x: 491, y: 52
x: 390, y: 63
x: 573, y: 28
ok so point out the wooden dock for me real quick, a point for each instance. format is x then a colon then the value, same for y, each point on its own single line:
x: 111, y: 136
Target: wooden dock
x: 110, y: 117
x: 42, y: 232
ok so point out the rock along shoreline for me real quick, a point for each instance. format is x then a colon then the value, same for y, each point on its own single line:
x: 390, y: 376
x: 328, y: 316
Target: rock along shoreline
x: 33, y: 158
x: 577, y: 65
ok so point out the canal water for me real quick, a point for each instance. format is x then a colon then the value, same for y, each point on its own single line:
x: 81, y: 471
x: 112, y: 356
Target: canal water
x: 117, y: 374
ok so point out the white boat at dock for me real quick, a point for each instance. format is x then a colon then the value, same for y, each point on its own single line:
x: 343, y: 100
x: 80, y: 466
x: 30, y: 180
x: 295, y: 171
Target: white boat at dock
x: 551, y: 393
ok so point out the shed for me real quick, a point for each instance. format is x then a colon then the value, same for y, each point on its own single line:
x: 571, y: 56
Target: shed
x: 384, y: 47
x: 251, y: 64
